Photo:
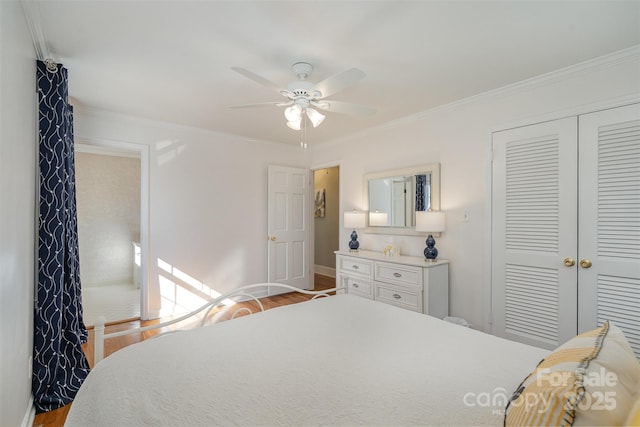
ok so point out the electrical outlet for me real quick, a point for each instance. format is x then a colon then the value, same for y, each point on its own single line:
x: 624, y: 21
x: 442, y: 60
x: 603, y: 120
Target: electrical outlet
x: 30, y: 373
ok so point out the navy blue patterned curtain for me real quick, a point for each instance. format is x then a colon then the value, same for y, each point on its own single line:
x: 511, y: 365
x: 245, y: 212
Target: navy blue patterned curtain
x: 421, y: 181
x: 59, y: 364
x: 423, y: 192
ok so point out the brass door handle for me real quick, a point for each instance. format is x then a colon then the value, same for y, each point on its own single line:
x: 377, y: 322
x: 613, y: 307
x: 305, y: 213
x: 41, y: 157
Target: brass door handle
x: 272, y: 238
x: 569, y: 262
x: 585, y: 263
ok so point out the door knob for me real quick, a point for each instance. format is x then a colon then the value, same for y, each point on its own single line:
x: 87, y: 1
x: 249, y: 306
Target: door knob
x: 569, y: 262
x: 272, y: 238
x: 585, y: 263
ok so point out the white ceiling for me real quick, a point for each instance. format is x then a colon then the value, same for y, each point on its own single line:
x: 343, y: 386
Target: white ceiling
x: 171, y: 60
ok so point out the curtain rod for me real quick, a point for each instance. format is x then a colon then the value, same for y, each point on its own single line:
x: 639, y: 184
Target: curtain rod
x: 32, y: 16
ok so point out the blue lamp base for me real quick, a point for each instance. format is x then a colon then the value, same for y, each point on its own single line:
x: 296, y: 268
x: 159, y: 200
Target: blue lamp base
x: 353, y: 244
x: 430, y: 252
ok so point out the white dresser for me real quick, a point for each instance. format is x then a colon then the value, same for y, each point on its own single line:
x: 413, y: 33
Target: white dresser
x: 404, y: 281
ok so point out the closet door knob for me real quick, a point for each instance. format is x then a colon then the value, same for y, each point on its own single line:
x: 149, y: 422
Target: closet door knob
x: 569, y: 262
x: 585, y: 263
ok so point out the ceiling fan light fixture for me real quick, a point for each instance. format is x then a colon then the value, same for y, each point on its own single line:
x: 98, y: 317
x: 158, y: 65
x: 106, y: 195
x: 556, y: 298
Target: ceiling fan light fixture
x: 293, y: 113
x: 315, y: 117
x: 304, y: 98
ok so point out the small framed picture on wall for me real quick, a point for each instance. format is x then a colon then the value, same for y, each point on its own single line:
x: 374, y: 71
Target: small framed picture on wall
x: 319, y: 211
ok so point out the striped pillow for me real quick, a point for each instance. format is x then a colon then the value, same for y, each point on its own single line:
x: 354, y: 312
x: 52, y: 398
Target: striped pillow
x: 592, y: 379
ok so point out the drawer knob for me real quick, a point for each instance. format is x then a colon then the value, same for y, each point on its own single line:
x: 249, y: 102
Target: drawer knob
x: 396, y: 296
x: 355, y: 285
x: 397, y: 275
x: 355, y: 267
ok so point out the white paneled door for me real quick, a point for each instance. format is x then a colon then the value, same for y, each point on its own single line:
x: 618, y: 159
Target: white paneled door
x: 288, y: 223
x: 566, y: 227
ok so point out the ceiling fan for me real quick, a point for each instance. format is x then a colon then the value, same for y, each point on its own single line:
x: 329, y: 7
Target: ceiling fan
x: 304, y: 98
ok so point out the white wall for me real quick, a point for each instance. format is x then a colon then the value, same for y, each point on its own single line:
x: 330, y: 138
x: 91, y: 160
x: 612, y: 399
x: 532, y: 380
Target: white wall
x: 458, y: 137
x: 17, y: 212
x: 207, y: 202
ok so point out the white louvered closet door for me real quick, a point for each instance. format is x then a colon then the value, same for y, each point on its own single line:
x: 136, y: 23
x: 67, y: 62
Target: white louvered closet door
x: 534, y: 228
x: 609, y: 221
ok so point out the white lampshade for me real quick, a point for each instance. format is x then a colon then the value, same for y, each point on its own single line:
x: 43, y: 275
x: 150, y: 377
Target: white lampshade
x: 430, y: 221
x: 378, y: 219
x: 294, y: 125
x: 355, y: 219
x: 293, y: 113
x: 315, y: 117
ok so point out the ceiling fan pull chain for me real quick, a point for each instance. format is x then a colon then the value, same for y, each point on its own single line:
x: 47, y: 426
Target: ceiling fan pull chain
x: 303, y: 132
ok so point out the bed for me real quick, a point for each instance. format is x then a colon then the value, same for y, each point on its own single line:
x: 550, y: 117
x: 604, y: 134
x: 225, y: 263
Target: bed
x: 338, y: 360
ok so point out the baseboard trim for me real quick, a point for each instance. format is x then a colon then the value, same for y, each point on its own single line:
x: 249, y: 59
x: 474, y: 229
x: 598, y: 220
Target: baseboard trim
x: 324, y: 270
x: 124, y: 281
x: 30, y: 415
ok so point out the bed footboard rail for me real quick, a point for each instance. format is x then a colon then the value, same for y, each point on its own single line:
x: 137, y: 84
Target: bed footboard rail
x: 241, y: 294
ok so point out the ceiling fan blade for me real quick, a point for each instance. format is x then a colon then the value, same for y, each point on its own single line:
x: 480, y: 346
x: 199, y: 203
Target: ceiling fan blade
x: 264, y: 104
x: 258, y: 79
x: 344, y: 108
x: 339, y: 81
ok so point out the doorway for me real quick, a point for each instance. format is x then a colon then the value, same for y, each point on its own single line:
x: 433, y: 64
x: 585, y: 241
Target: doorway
x: 109, y: 184
x: 326, y: 219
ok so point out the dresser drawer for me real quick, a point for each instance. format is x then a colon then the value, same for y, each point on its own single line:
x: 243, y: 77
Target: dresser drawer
x: 404, y: 281
x: 398, y: 273
x: 355, y: 265
x: 408, y: 298
x: 359, y: 287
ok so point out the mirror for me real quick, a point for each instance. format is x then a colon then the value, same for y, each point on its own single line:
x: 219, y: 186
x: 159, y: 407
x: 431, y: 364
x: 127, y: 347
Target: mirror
x: 393, y: 196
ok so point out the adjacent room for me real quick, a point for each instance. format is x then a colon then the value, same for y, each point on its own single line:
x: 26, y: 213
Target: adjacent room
x: 461, y: 178
x: 108, y: 203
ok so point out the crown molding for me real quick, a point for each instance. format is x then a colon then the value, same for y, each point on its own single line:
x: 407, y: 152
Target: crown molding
x: 600, y: 62
x: 605, y: 61
x: 32, y: 16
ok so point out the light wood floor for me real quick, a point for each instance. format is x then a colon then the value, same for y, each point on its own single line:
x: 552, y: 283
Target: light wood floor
x: 57, y: 417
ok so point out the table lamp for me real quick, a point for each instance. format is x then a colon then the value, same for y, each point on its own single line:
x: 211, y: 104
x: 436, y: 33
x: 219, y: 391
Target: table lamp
x: 378, y: 219
x: 431, y: 222
x: 354, y: 219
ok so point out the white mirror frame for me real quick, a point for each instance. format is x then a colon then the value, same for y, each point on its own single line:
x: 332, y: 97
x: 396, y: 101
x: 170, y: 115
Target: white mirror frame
x: 433, y: 168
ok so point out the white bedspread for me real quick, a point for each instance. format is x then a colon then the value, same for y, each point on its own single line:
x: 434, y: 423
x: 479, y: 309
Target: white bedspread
x: 341, y: 360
